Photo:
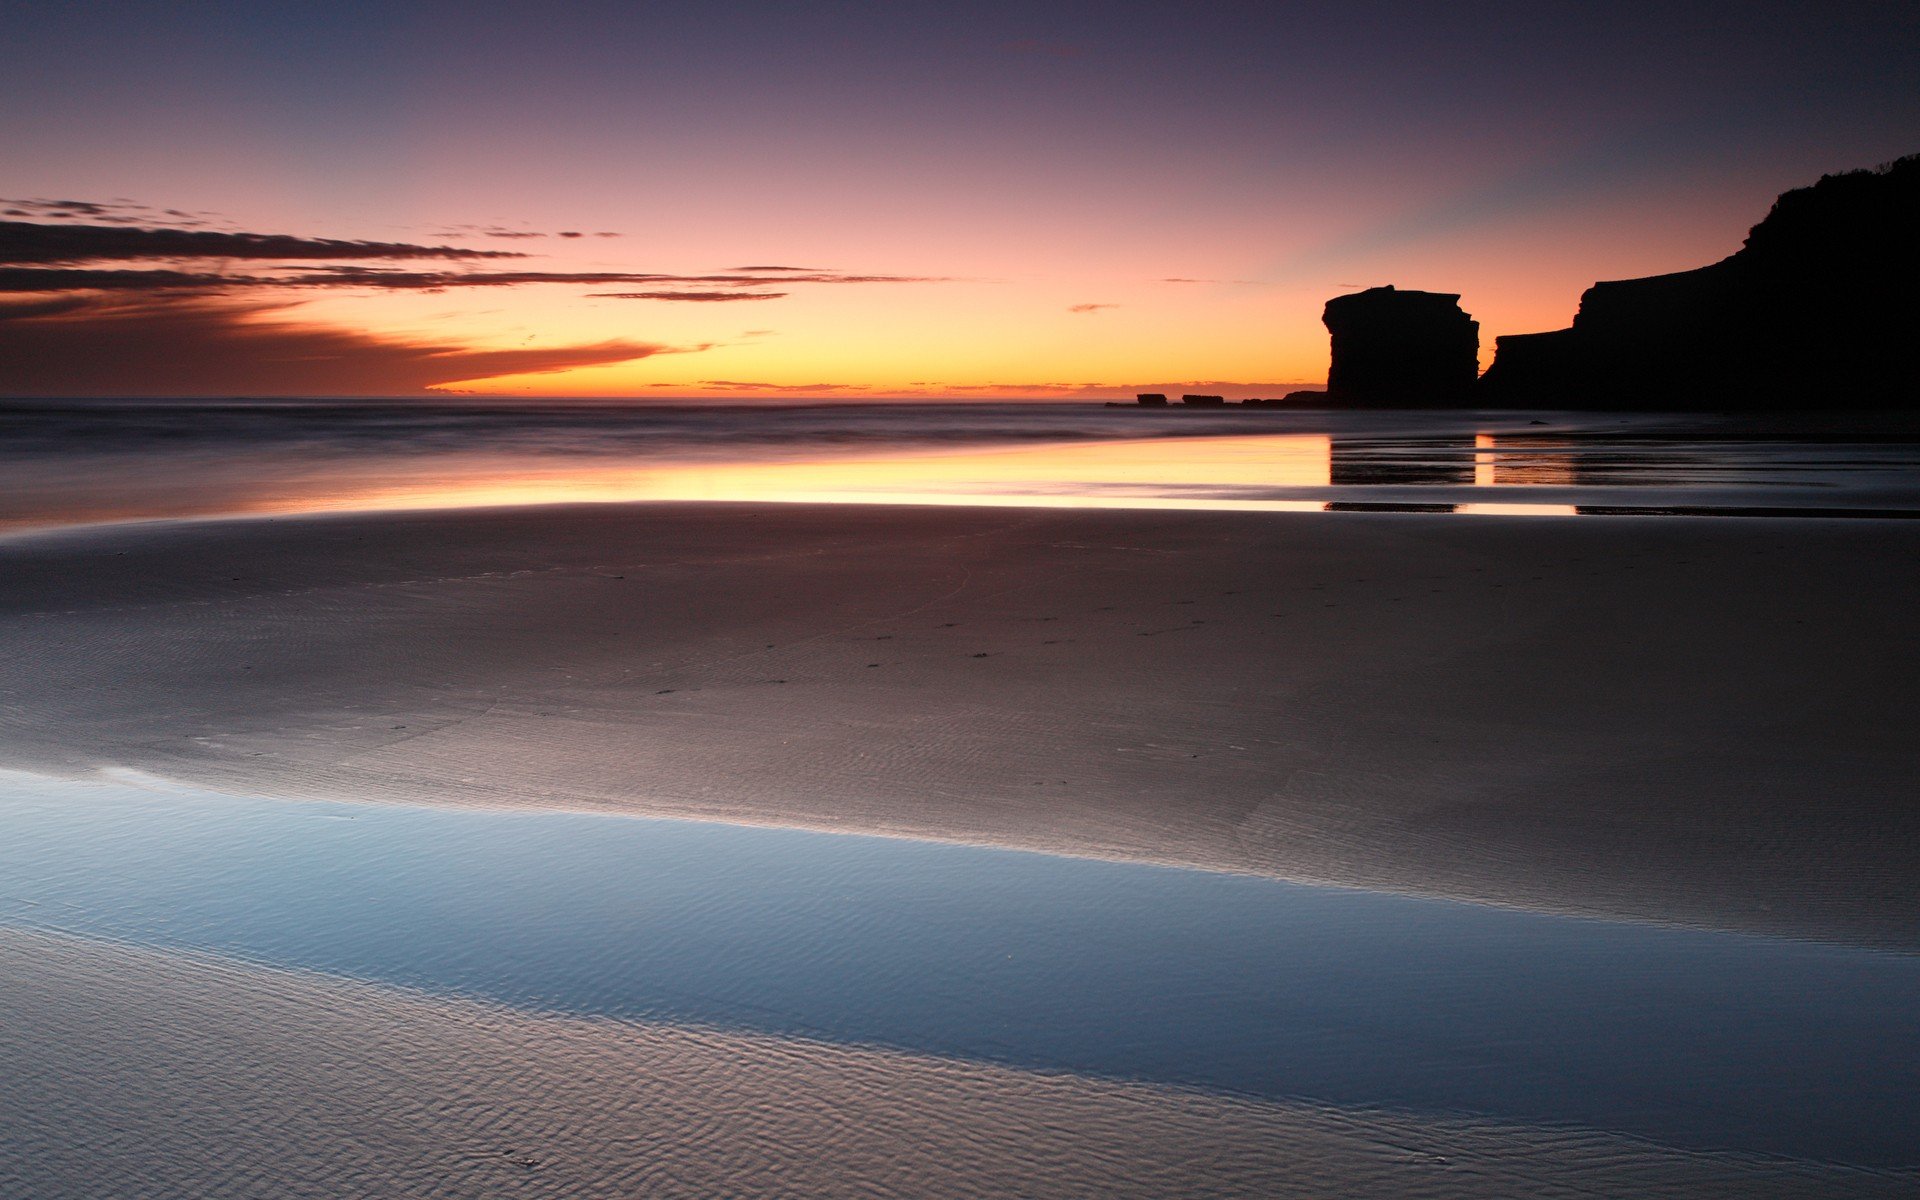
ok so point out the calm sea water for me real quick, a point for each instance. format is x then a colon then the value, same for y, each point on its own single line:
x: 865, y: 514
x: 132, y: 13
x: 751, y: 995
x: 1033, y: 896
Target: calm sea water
x: 1184, y: 977
x: 79, y: 462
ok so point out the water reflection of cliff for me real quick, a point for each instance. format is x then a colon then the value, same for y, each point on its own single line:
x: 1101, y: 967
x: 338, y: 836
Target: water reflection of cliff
x: 1509, y: 460
x: 1523, y: 460
x: 1401, y: 462
x: 1476, y: 460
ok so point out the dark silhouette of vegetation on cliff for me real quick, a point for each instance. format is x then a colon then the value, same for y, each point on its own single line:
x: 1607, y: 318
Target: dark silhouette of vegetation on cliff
x: 1818, y: 310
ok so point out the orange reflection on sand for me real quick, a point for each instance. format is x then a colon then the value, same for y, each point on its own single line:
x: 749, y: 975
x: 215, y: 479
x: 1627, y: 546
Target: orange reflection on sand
x: 1507, y: 460
x: 1128, y: 474
x: 1497, y: 509
x: 1258, y: 473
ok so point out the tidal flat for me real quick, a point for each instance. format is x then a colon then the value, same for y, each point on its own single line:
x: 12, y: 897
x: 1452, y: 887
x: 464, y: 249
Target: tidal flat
x: 909, y: 849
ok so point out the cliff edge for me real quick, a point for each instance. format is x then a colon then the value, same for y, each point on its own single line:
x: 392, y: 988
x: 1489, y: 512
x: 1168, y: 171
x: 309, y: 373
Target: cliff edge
x: 1818, y: 309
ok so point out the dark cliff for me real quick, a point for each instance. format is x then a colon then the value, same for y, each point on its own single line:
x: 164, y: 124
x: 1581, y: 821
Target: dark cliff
x: 1818, y: 309
x: 1401, y: 349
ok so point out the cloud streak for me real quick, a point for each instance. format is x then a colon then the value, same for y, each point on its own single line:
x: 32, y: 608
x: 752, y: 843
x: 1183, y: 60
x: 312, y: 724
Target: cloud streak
x: 691, y: 297
x: 41, y: 258
x: 383, y: 277
x: 510, y: 234
x: 33, y: 243
x: 18, y: 279
x: 147, y: 346
x: 103, y: 306
x: 109, y: 212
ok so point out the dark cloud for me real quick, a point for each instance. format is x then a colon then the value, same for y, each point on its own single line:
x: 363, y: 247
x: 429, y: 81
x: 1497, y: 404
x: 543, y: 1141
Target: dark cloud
x: 43, y: 279
x: 42, y: 257
x: 503, y: 231
x: 62, y: 279
x: 174, y: 346
x: 49, y: 306
x: 26, y: 242
x: 1089, y: 308
x: 695, y: 297
x: 395, y: 280
x: 108, y: 212
x: 385, y: 277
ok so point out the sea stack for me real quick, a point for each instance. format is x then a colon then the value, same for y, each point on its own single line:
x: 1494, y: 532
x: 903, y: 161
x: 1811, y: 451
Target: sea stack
x: 1401, y: 349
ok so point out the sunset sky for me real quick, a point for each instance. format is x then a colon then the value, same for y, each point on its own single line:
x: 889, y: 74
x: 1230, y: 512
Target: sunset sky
x: 871, y: 199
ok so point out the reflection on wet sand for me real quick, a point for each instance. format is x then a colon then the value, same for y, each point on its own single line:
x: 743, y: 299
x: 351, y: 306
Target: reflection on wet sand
x: 446, y: 1098
x: 1401, y: 462
x: 1515, y: 460
x: 1253, y: 987
x: 119, y: 466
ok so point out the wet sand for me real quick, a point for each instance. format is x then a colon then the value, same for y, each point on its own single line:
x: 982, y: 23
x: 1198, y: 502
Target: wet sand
x: 1690, y: 720
x: 193, y: 1076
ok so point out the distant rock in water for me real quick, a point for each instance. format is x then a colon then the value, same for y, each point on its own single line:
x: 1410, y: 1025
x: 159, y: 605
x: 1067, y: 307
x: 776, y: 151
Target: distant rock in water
x: 1819, y: 309
x: 1151, y: 399
x: 1399, y: 349
x: 1301, y: 399
x: 1203, y: 401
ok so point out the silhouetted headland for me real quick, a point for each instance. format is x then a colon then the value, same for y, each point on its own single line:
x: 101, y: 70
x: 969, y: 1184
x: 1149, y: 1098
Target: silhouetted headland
x: 1816, y: 310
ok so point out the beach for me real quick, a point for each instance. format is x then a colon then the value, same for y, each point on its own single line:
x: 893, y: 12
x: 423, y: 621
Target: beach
x: 483, y: 801
x: 217, y: 1079
x: 1680, y: 722
x: 1695, y: 721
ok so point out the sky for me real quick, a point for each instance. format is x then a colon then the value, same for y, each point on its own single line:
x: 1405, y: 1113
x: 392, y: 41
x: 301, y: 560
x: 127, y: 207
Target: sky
x: 872, y: 200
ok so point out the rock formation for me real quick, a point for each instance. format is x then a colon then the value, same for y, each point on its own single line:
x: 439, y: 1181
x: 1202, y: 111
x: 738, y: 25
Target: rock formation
x: 1151, y: 399
x: 1301, y: 399
x: 1819, y: 309
x: 1203, y: 401
x: 1401, y: 349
